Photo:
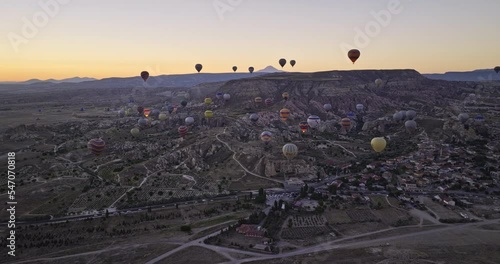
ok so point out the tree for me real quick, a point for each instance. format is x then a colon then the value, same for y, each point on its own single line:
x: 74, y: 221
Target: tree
x: 186, y: 228
x: 107, y: 213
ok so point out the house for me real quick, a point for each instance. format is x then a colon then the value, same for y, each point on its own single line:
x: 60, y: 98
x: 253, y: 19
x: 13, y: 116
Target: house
x: 250, y: 230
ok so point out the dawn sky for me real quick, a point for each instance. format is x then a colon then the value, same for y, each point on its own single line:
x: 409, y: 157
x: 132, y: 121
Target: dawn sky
x: 91, y: 38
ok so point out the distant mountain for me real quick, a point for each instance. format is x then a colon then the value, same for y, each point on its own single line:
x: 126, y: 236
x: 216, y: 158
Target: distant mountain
x: 269, y: 69
x: 475, y: 76
x: 68, y: 80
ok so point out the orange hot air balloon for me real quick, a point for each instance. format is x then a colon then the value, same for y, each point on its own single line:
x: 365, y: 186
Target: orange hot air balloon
x: 346, y: 123
x: 303, y: 126
x: 284, y: 114
x: 353, y: 55
x: 145, y: 75
x: 258, y: 100
x: 147, y: 111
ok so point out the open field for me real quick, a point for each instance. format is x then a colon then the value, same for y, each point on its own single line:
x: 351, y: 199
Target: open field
x: 441, y: 211
x: 334, y: 216
x: 376, y: 199
x: 393, y: 216
x: 359, y: 228
x: 194, y: 255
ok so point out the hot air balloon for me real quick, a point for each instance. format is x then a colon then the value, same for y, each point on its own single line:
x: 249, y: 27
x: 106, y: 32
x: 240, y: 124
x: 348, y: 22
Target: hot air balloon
x: 219, y: 95
x: 497, y: 69
x: 303, y: 126
x: 155, y: 113
x: 209, y: 114
x: 353, y: 55
x: 479, y: 118
x: 378, y: 144
x: 121, y: 113
x: 146, y: 112
x: 208, y: 101
x: 351, y: 115
x: 258, y: 100
x: 284, y: 114
x: 346, y: 123
x: 266, y: 136
x: 397, y: 116
x: 292, y: 62
x: 235, y: 68
x: 378, y: 82
x: 290, y: 151
x: 360, y: 107
x: 170, y: 109
x: 184, y: 103
x: 282, y: 62
x: 250, y: 69
x: 135, y: 132
x: 268, y: 101
x: 189, y: 121
x: 162, y: 116
x: 145, y: 75
x: 463, y: 117
x: 140, y: 109
x: 411, y: 125
x: 410, y: 114
x: 182, y: 131
x: 227, y: 97
x: 327, y: 107
x: 96, y: 146
x: 254, y: 117
x: 313, y: 121
x: 198, y: 67
x: 285, y: 96
x: 143, y: 122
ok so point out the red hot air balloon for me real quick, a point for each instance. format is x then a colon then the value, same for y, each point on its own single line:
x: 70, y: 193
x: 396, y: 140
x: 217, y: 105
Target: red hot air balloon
x: 147, y: 112
x: 96, y: 146
x: 353, y: 55
x: 182, y: 131
x: 303, y: 126
x: 346, y: 123
x: 145, y: 75
x: 284, y: 114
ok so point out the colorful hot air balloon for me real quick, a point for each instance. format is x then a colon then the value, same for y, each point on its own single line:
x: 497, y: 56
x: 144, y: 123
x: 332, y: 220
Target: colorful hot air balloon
x: 189, y: 121
x: 360, y: 107
x: 282, y: 62
x: 235, y: 68
x: 140, y: 109
x: 209, y: 114
x: 378, y: 82
x: 284, y: 114
x: 198, y: 67
x: 96, y: 146
x: 346, y: 123
x: 135, y: 132
x: 145, y: 75
x: 353, y: 55
x: 250, y: 69
x: 147, y: 112
x: 351, y: 115
x: 411, y: 125
x: 463, y: 117
x: 292, y: 62
x: 219, y: 95
x: 254, y: 118
x: 227, y: 97
x: 258, y: 100
x: 313, y: 121
x: 285, y: 96
x: 208, y: 101
x: 266, y: 136
x: 290, y: 151
x: 378, y: 144
x: 327, y: 107
x: 268, y: 101
x: 182, y: 131
x: 303, y: 126
x: 497, y: 69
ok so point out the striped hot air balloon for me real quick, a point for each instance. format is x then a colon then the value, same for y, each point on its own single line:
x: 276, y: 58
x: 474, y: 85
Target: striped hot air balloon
x: 290, y: 151
x: 284, y: 114
x: 258, y: 100
x: 346, y: 123
x: 268, y: 101
x: 266, y: 137
x: 208, y: 101
x: 96, y: 146
x: 303, y: 126
x: 147, y: 111
x: 209, y: 114
x: 182, y: 131
x: 313, y: 121
x: 219, y: 95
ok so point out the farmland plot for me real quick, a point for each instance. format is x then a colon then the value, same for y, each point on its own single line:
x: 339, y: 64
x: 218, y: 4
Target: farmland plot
x: 337, y: 216
x: 362, y: 215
